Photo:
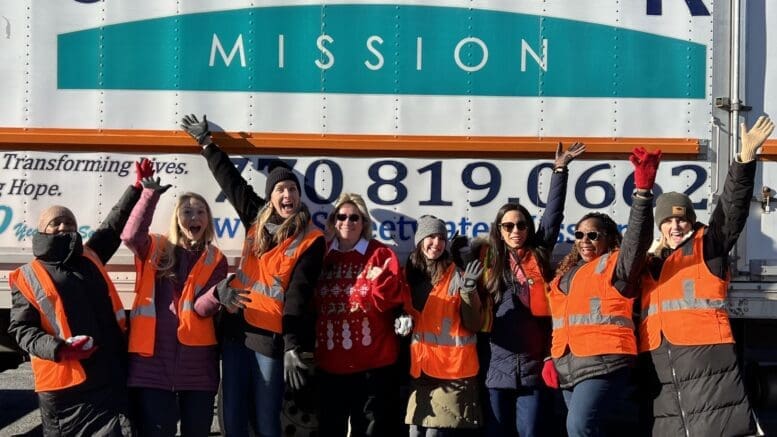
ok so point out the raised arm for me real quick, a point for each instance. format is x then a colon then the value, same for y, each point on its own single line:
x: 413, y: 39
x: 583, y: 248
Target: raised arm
x: 639, y: 233
x: 550, y: 223
x: 238, y: 191
x: 730, y: 214
x: 107, y: 238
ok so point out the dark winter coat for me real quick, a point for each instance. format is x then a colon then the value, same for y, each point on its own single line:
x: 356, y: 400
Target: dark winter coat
x: 98, y: 404
x: 631, y: 260
x: 698, y: 390
x: 519, y: 341
x: 298, y: 319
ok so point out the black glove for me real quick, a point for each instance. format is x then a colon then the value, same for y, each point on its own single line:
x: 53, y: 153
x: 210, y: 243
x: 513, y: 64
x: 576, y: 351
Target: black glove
x: 230, y: 297
x: 155, y: 184
x: 196, y: 129
x: 294, y: 370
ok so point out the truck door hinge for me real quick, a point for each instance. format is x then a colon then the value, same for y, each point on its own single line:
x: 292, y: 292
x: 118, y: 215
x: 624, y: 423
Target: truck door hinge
x: 726, y: 104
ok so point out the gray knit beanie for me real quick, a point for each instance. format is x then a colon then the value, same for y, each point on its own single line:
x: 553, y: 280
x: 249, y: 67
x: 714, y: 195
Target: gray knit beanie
x: 429, y: 225
x: 674, y: 204
x: 278, y: 172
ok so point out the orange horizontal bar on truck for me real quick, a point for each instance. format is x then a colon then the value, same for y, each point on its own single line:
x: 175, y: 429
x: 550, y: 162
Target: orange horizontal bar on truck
x: 138, y: 141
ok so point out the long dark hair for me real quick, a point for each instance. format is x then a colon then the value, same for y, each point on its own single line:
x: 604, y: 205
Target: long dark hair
x: 606, y: 225
x: 499, y: 251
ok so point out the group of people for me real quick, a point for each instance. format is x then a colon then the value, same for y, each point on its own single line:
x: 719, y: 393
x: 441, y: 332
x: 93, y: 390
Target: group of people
x: 490, y: 327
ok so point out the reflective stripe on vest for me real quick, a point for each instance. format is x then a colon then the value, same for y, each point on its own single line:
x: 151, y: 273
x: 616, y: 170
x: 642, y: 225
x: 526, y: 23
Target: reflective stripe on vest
x: 35, y: 284
x: 274, y: 292
x: 606, y: 327
x: 118, y: 307
x: 685, y: 290
x: 441, y: 346
x: 446, y: 338
x: 45, y: 305
x: 268, y: 276
x: 193, y: 330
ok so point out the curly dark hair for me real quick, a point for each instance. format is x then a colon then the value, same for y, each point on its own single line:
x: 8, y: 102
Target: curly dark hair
x: 606, y: 225
x: 499, y: 250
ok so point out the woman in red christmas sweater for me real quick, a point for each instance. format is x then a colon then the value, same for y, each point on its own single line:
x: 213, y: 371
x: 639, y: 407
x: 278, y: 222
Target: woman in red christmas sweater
x: 356, y: 347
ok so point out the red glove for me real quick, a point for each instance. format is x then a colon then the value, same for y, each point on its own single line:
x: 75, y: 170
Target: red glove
x: 549, y: 374
x: 75, y: 350
x: 143, y: 169
x: 645, y: 167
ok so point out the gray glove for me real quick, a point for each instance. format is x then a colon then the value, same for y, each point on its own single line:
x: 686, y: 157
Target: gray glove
x: 469, y: 280
x: 294, y: 370
x: 564, y: 158
x: 197, y: 129
x: 154, y: 184
x: 230, y: 297
x: 403, y: 325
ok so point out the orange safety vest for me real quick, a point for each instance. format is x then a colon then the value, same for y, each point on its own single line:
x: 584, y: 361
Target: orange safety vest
x: 35, y: 284
x: 593, y: 318
x: 193, y: 329
x: 441, y: 347
x: 267, y: 278
x: 538, y: 288
x: 687, y: 304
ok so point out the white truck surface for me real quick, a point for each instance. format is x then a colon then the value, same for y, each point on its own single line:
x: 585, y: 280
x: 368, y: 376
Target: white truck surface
x: 445, y: 107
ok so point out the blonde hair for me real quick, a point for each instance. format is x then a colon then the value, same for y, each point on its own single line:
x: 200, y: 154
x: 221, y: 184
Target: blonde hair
x: 290, y: 227
x: 357, y: 201
x: 165, y: 262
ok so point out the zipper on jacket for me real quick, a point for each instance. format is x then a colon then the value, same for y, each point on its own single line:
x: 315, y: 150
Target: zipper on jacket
x: 677, y: 389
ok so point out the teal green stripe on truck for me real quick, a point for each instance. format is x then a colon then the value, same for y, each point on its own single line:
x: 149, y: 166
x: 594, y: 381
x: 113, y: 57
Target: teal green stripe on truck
x: 583, y: 59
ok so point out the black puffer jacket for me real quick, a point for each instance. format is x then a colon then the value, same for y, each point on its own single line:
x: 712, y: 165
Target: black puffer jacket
x: 98, y: 406
x: 698, y: 390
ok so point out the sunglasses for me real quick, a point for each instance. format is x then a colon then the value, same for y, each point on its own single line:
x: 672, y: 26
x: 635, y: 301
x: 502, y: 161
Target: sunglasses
x: 593, y: 235
x: 509, y: 226
x: 353, y: 218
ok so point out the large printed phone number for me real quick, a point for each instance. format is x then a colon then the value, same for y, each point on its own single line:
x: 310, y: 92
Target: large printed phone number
x: 590, y: 189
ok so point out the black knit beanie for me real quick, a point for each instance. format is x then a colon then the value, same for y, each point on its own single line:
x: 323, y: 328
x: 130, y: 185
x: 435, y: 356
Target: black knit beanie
x: 278, y: 172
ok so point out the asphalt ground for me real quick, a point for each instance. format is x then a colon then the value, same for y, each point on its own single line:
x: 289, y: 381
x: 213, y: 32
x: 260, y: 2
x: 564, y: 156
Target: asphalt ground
x: 19, y: 415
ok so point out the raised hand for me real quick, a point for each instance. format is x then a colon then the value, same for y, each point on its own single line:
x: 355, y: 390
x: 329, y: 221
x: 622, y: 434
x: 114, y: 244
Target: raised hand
x: 470, y: 277
x: 143, y: 169
x: 753, y: 139
x: 564, y: 158
x: 645, y: 167
x: 197, y: 129
x: 154, y: 184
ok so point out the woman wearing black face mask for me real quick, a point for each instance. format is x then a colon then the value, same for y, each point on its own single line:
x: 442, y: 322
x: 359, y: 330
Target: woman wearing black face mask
x: 67, y: 315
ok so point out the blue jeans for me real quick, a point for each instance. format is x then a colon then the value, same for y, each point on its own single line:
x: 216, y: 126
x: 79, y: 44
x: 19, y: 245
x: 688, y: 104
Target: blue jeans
x: 250, y: 379
x: 590, y: 401
x: 157, y: 412
x: 514, y: 410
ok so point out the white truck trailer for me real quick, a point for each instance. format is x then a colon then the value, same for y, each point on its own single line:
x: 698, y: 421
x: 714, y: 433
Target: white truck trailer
x: 445, y: 107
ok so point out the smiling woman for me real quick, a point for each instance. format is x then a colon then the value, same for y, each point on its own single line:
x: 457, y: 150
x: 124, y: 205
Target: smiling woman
x: 172, y: 323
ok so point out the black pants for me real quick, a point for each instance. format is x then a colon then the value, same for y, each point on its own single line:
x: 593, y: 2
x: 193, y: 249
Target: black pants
x: 370, y: 399
x: 99, y: 411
